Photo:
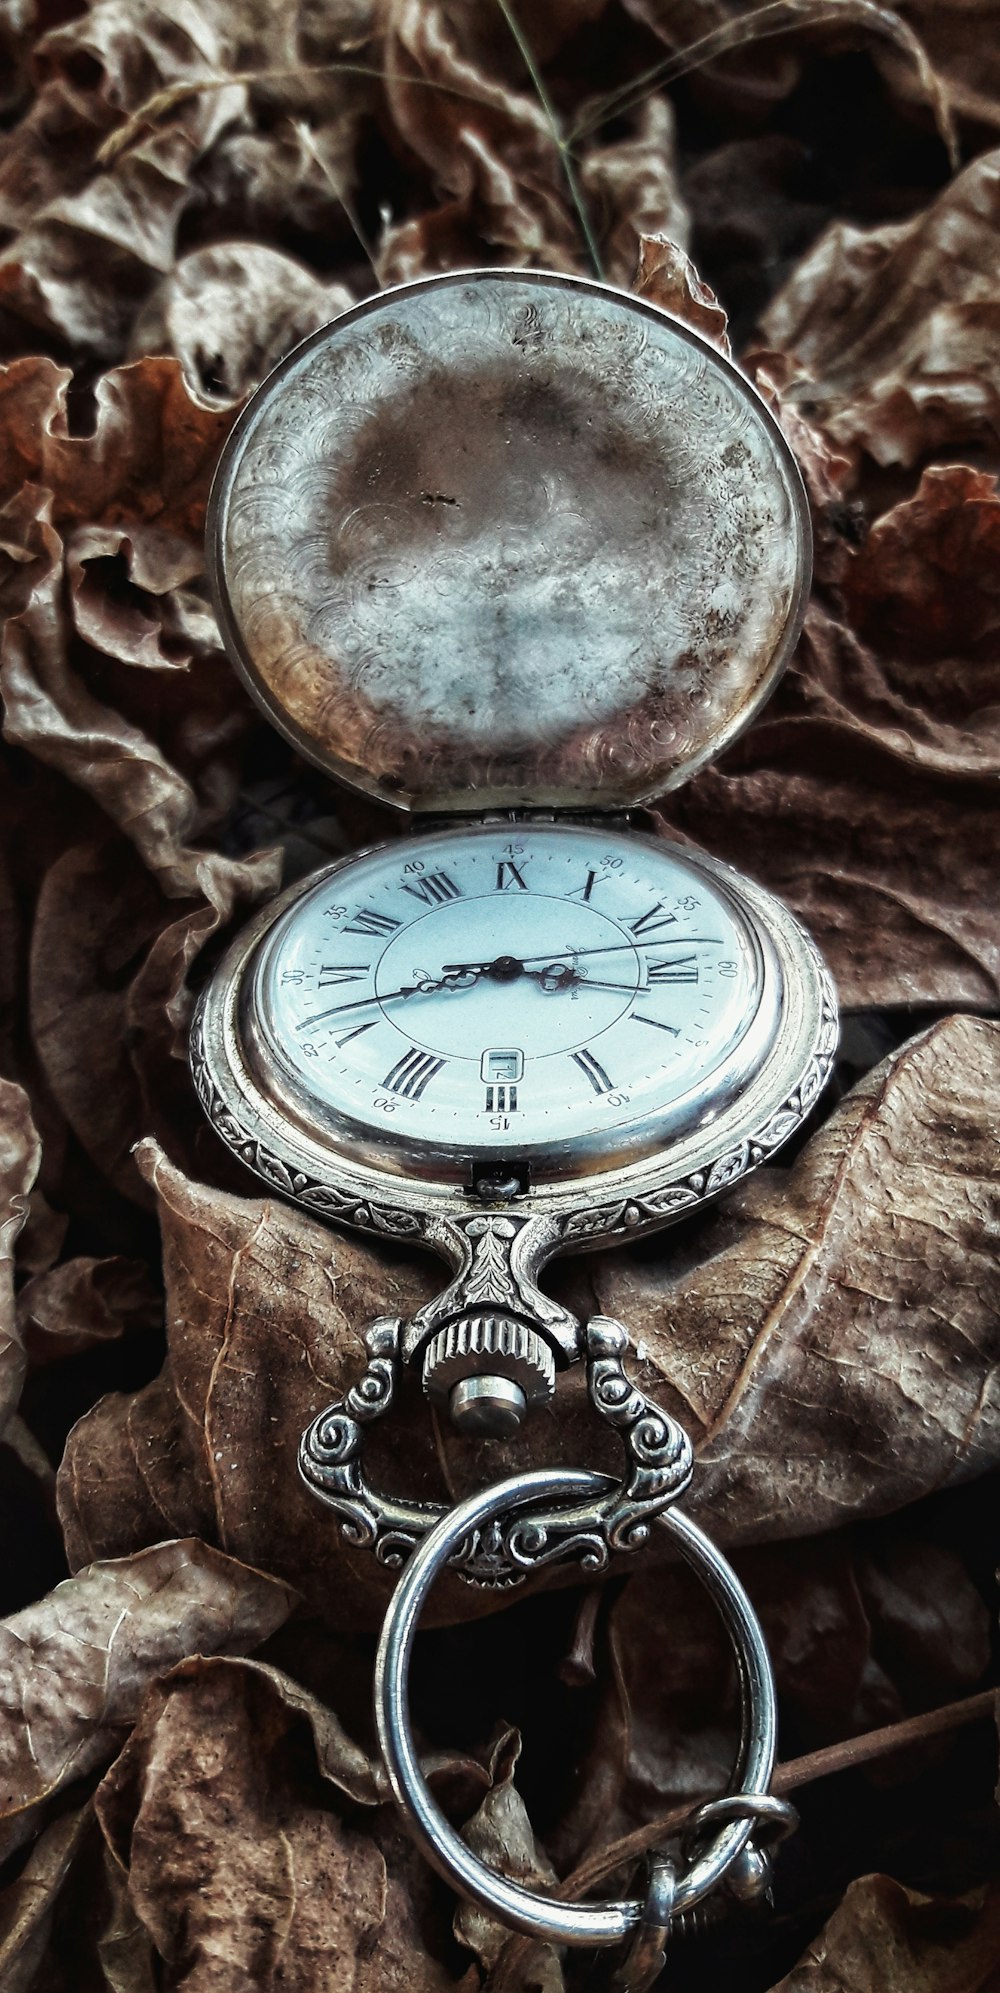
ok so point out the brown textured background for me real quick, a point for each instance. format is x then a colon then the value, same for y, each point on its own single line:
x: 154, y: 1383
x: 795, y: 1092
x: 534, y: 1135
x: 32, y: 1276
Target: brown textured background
x: 188, y: 1795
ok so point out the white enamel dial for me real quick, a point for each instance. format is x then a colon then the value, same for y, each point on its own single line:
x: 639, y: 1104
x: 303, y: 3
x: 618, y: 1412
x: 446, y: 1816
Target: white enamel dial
x: 519, y: 989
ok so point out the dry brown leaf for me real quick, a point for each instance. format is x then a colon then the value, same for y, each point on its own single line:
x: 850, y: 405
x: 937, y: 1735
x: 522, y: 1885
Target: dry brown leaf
x: 230, y: 312
x: 148, y: 457
x: 834, y: 1353
x: 501, y: 1834
x: 632, y: 189
x: 754, y: 74
x: 923, y: 594
x: 20, y: 1154
x: 66, y: 1922
x: 75, y: 1665
x: 27, y: 1906
x: 959, y: 37
x: 157, y: 759
x: 266, y: 1310
x: 864, y: 796
x: 459, y: 96
x: 667, y: 277
x: 85, y: 1301
x: 82, y: 266
x: 239, y: 1868
x: 50, y: 711
x: 98, y: 915
x: 898, y: 326
x: 293, y: 86
x: 891, y: 871
x: 130, y: 1474
x: 109, y: 959
x: 129, y: 595
x: 886, y: 1938
x: 862, y: 1627
x: 90, y: 72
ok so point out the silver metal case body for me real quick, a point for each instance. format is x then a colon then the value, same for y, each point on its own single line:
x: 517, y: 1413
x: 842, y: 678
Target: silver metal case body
x: 626, y: 1182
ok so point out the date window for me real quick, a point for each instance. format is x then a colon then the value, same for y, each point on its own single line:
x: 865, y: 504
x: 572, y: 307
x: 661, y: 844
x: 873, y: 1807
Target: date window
x: 502, y: 1065
x: 500, y: 1070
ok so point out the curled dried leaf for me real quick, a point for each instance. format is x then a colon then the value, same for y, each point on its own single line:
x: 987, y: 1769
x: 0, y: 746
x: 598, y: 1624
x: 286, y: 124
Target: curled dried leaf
x: 28, y: 1905
x: 886, y: 1936
x: 130, y: 595
x: 218, y: 1813
x: 833, y: 1351
x: 898, y: 325
x: 667, y: 277
x: 265, y: 1315
x: 886, y: 723
x: 230, y: 312
x: 20, y: 1154
x: 632, y: 189
x: 861, y: 1627
x: 501, y: 1834
x: 149, y: 455
x: 75, y: 1665
x: 85, y: 1301
x: 109, y: 959
x: 485, y: 137
x: 85, y: 261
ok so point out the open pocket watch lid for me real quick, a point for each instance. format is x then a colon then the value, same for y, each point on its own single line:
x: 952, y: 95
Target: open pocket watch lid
x: 503, y: 538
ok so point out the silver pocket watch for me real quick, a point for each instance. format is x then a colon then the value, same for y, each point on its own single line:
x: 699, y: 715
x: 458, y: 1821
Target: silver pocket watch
x: 516, y: 554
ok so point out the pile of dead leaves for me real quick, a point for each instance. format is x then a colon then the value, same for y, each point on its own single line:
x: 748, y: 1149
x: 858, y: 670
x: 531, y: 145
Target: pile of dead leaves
x: 189, y: 1795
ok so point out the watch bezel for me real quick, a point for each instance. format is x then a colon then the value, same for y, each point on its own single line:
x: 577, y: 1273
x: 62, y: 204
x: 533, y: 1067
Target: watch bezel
x: 634, y: 1194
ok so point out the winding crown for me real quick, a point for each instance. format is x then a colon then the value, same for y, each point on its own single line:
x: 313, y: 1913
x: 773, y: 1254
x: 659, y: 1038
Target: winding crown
x: 488, y: 1369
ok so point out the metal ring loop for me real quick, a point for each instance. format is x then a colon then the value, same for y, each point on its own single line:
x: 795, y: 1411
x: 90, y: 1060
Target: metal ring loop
x: 647, y: 1952
x: 522, y: 1909
x: 772, y: 1819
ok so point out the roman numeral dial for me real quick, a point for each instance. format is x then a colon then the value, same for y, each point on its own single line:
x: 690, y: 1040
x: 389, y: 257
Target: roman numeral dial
x: 512, y: 989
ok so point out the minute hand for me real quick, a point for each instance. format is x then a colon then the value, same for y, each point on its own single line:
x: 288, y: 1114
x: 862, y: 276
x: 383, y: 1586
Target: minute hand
x: 609, y: 948
x: 359, y: 1003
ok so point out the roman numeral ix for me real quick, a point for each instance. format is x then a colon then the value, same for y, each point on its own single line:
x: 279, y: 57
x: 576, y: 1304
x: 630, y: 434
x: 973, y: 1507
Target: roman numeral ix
x: 508, y: 875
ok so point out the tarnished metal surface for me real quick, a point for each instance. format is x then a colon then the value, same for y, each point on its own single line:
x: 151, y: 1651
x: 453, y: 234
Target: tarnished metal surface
x: 501, y: 538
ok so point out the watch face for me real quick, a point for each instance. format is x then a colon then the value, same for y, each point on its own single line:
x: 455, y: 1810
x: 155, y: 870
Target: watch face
x: 550, y: 992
